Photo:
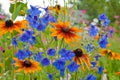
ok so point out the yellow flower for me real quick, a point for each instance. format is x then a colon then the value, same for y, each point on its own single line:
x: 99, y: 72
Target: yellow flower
x: 28, y: 66
x: 10, y: 26
x: 82, y: 59
x: 62, y: 30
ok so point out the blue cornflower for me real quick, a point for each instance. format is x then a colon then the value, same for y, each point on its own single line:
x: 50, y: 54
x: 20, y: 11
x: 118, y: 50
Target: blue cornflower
x: 111, y: 32
x: 72, y: 67
x: 25, y: 38
x: 93, y: 64
x: 62, y: 72
x: 59, y: 64
x: 97, y: 57
x: 106, y: 22
x: 103, y: 41
x: 33, y: 16
x: 21, y: 54
x: 14, y: 42
x: 34, y: 11
x: 29, y: 32
x: 91, y: 77
x: 45, y: 62
x: 93, y: 31
x: 28, y: 52
x: 66, y: 54
x: 51, y: 52
x: 32, y: 40
x: 52, y: 19
x: 50, y: 76
x: 100, y: 70
x: 38, y: 56
x: 89, y: 47
x: 102, y: 17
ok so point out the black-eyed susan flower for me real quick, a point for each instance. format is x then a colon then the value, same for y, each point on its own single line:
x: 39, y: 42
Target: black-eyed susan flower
x: 10, y: 26
x: 28, y: 66
x: 62, y: 30
x: 81, y: 58
x: 55, y: 8
x: 111, y: 54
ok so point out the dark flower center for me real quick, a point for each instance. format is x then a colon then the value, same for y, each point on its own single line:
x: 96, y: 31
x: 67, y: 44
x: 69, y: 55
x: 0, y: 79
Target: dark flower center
x: 27, y: 63
x: 66, y: 30
x: 9, y: 23
x: 78, y: 52
x: 58, y: 7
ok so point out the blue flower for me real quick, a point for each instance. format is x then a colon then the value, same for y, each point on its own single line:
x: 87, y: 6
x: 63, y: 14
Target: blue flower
x: 111, y: 32
x: 28, y: 52
x: 106, y: 22
x: 32, y: 40
x: 91, y: 77
x: 33, y: 16
x: 93, y: 64
x: 66, y: 54
x: 93, y: 31
x: 62, y: 72
x: 100, y: 70
x: 72, y: 67
x: 21, y: 54
x: 97, y: 57
x: 14, y: 42
x: 25, y: 38
x: 103, y: 41
x: 50, y: 76
x: 102, y: 17
x: 89, y: 47
x: 59, y: 64
x: 51, y: 52
x: 45, y: 62
x: 38, y: 56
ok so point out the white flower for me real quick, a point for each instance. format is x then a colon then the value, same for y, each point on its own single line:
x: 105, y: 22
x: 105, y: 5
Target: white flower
x: 95, y: 20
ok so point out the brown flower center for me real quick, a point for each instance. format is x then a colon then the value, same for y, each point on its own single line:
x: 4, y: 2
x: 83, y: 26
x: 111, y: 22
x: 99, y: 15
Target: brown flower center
x: 27, y: 63
x: 58, y: 7
x: 78, y: 52
x: 9, y: 23
x: 66, y: 30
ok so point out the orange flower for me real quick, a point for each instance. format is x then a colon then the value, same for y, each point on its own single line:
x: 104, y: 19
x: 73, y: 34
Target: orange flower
x: 81, y: 58
x: 57, y: 8
x: 9, y: 26
x: 111, y: 54
x: 62, y: 30
x: 28, y: 66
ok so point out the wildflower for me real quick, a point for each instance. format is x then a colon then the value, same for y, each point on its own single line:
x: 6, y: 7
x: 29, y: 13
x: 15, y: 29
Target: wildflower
x: 21, y: 54
x: 89, y: 47
x: 59, y: 64
x: 106, y: 22
x: 66, y: 54
x: 14, y: 42
x: 10, y: 26
x: 111, y: 54
x: 62, y: 72
x: 100, y: 70
x: 91, y: 77
x: 50, y: 76
x: 62, y: 30
x: 93, y: 64
x: 97, y: 57
x: 45, y: 62
x: 32, y: 40
x: 93, y: 31
x: 51, y: 52
x: 102, y: 17
x: 72, y: 67
x: 81, y: 58
x: 103, y: 41
x: 28, y: 66
x: 28, y: 52
x: 56, y: 8
x: 38, y: 56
